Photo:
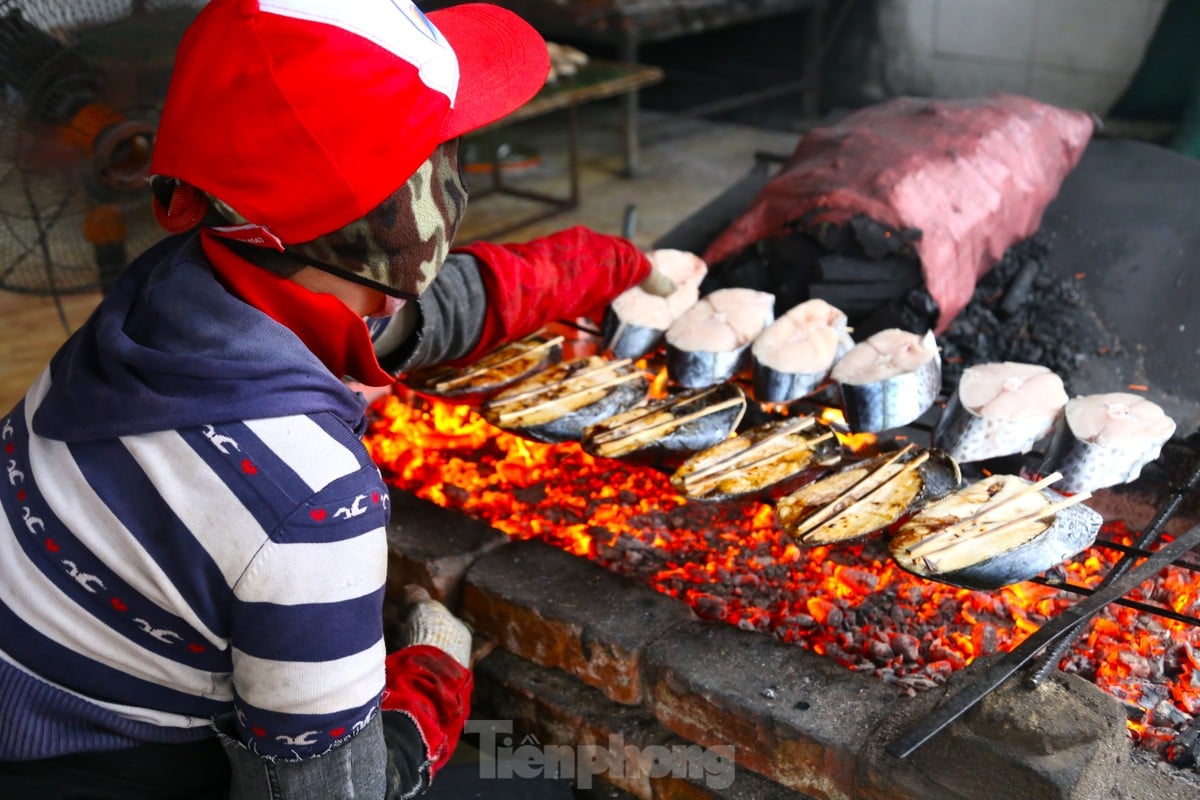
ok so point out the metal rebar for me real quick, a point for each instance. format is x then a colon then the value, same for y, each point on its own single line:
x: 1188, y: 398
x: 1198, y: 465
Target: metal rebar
x: 1145, y: 608
x: 986, y: 681
x: 1049, y: 661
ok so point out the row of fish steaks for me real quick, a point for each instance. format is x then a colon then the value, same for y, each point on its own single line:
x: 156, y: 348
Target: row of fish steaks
x: 727, y: 349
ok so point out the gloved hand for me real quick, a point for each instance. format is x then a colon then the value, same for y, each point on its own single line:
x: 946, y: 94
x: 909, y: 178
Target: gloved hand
x: 656, y: 283
x: 573, y: 273
x: 431, y: 623
x: 686, y: 267
x: 428, y: 680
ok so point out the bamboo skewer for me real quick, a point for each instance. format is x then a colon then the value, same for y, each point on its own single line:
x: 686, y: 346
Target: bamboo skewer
x: 1049, y: 510
x: 599, y: 369
x: 857, y: 499
x: 850, y: 491
x: 674, y: 422
x: 955, y: 529
x: 615, y: 433
x: 794, y: 426
x: 511, y: 416
x: 905, y: 470
x: 708, y: 481
x: 470, y: 375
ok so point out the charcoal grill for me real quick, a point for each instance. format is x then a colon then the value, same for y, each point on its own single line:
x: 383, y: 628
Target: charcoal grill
x: 1174, y: 477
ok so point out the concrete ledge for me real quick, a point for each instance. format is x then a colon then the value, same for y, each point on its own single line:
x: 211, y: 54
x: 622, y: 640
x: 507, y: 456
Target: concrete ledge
x: 798, y: 721
x: 1064, y: 740
x: 561, y: 611
x: 432, y: 547
x: 794, y: 716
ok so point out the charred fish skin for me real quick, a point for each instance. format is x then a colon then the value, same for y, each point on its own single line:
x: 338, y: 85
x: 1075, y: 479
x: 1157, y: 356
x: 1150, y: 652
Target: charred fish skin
x: 894, y: 401
x: 746, y: 468
x: 653, y: 435
x: 571, y: 426
x: 1115, y: 453
x: 699, y: 369
x: 692, y: 437
x: 710, y: 429
x: 939, y: 476
x: 1000, y: 530
x: 1074, y: 530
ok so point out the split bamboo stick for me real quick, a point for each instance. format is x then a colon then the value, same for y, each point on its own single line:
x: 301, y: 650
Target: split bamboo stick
x: 470, y: 375
x: 509, y: 417
x: 795, y: 425
x: 702, y: 485
x: 675, y: 422
x: 982, y: 538
x: 545, y: 388
x: 955, y: 529
x: 616, y: 433
x: 858, y: 499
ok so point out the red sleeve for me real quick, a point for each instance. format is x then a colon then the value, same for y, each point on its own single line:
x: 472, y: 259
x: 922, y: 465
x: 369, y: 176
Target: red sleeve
x: 573, y: 273
x: 434, y: 690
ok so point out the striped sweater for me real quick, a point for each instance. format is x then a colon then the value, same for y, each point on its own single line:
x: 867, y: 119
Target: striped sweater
x: 189, y: 524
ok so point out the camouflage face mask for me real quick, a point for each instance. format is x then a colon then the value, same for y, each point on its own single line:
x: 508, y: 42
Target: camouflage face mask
x: 400, y: 245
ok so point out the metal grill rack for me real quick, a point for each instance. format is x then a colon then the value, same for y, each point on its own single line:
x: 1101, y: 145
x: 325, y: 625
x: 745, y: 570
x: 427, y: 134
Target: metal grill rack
x: 1175, y: 477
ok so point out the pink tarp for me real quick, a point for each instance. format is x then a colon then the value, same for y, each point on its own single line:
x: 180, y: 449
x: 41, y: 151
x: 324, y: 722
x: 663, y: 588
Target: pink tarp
x: 973, y: 175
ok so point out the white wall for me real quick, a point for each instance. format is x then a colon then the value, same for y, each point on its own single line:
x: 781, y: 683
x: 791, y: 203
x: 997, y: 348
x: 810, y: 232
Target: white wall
x: 1072, y: 53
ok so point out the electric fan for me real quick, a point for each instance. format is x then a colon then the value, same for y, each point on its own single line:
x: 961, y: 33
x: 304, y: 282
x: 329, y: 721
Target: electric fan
x: 82, y: 85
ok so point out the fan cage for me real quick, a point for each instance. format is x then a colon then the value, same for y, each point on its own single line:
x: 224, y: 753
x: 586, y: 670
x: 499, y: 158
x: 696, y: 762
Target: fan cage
x: 64, y: 228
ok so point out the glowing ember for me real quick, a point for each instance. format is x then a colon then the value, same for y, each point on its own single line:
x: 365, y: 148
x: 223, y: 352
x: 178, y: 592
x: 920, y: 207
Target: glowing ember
x: 731, y: 562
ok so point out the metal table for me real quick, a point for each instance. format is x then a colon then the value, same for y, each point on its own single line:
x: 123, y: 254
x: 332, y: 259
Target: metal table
x: 627, y: 24
x: 597, y: 80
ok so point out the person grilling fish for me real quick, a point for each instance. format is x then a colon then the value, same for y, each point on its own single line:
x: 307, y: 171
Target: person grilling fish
x: 192, y: 535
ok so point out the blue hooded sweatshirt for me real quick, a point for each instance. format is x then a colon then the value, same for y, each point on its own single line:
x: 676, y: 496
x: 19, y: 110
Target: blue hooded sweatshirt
x: 189, y: 525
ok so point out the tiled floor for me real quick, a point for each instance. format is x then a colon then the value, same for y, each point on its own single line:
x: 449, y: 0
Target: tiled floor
x: 684, y: 163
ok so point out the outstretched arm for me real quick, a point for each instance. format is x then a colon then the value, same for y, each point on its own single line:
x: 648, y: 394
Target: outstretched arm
x: 489, y: 294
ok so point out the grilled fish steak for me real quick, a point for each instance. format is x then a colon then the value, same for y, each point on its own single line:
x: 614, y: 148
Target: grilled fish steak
x: 888, y: 380
x: 500, y: 368
x: 558, y: 405
x: 863, y: 498
x: 994, y: 532
x: 771, y: 458
x: 678, y: 425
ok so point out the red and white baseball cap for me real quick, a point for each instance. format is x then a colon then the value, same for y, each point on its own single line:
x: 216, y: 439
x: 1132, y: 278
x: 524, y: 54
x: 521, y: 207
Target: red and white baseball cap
x: 303, y: 115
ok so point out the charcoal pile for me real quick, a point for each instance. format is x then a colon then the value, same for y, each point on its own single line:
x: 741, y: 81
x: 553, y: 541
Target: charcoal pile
x: 972, y: 175
x: 857, y: 266
x: 1019, y: 311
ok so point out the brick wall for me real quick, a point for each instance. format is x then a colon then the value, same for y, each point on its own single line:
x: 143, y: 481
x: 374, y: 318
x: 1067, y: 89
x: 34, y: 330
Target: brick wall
x: 573, y: 659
